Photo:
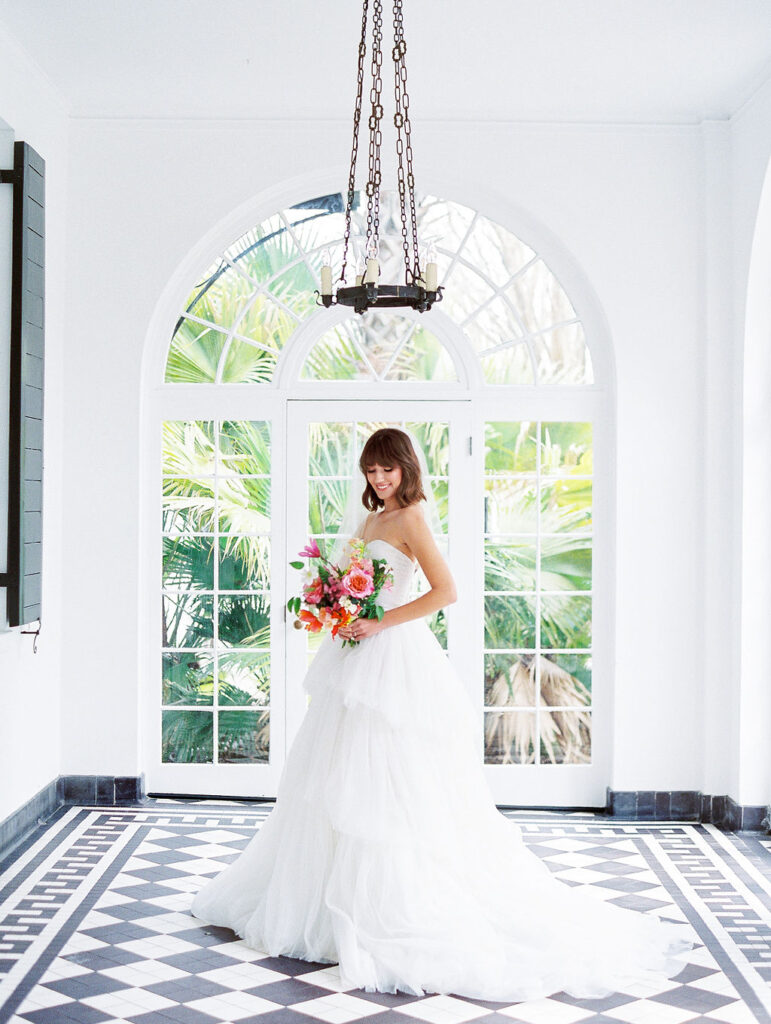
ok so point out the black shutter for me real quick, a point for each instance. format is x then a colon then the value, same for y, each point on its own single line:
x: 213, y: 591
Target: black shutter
x: 25, y: 462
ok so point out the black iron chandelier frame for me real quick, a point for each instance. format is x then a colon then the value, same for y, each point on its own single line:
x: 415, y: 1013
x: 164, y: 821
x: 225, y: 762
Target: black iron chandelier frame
x: 419, y: 290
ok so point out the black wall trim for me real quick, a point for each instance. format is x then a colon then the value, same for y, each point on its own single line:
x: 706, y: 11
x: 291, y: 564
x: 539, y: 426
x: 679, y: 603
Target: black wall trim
x: 23, y: 578
x: 99, y: 790
x: 626, y: 805
x: 687, y: 805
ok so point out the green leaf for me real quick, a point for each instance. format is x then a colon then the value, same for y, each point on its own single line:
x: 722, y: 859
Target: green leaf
x: 379, y: 611
x: 296, y: 565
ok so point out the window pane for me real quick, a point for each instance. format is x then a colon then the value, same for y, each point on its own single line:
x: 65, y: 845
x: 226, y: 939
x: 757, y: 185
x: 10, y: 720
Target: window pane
x: 566, y: 621
x: 566, y: 505
x: 187, y: 737
x: 330, y: 449
x: 263, y: 250
x: 188, y: 677
x: 244, y: 621
x: 188, y: 448
x: 510, y: 621
x: 566, y: 448
x: 497, y: 250
x: 244, y: 448
x: 466, y: 290
x: 510, y: 564
x: 510, y: 680
x: 423, y: 358
x: 539, y: 298
x: 244, y: 677
x: 511, y: 504
x: 295, y: 287
x: 566, y: 679
x: 509, y: 737
x: 566, y: 562
x: 248, y: 364
x: 563, y: 357
x: 566, y: 737
x: 244, y: 563
x: 188, y: 505
x: 244, y: 504
x: 220, y: 295
x: 511, y: 365
x: 326, y: 504
x: 187, y: 620
x: 194, y: 353
x: 510, y: 446
x: 493, y: 324
x: 267, y: 323
x: 336, y: 357
x: 188, y: 563
x: 244, y: 737
x: 434, y: 438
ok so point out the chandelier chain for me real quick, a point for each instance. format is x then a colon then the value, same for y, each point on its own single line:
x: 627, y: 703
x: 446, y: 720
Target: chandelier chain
x: 368, y: 292
x: 355, y: 143
x: 406, y: 181
x: 375, y: 134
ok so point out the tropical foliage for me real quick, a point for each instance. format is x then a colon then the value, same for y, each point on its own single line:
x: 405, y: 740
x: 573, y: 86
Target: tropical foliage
x: 538, y: 605
x: 216, y: 582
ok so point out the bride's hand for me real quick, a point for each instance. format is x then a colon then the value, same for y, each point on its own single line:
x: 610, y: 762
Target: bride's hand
x: 360, y: 629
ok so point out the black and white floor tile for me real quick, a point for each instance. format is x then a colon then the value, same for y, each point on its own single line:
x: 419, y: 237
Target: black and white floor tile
x: 95, y: 925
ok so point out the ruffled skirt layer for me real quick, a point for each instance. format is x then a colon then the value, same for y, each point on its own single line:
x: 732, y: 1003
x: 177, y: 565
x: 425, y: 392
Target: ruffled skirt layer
x: 385, y: 853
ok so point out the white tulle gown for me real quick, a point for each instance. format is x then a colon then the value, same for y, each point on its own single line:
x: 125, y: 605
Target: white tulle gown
x: 386, y: 854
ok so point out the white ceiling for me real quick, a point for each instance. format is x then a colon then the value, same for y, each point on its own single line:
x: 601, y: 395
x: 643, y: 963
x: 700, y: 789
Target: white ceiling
x: 606, y: 61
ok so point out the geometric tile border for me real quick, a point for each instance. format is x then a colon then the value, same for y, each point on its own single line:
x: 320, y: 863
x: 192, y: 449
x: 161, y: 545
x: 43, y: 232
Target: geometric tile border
x: 95, y: 924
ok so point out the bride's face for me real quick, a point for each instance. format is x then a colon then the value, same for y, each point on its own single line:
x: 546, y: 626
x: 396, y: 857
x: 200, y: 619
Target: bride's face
x: 385, y: 480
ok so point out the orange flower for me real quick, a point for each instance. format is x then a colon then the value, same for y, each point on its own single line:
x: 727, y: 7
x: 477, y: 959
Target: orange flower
x: 312, y: 624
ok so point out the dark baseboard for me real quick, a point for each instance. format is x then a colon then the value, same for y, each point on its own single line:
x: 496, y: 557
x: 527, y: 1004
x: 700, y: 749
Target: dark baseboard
x: 687, y: 805
x: 625, y: 805
x: 100, y: 790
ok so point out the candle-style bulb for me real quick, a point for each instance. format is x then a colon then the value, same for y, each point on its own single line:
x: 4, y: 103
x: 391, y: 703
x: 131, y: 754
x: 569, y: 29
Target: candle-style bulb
x: 372, y: 273
x: 431, y: 268
x: 326, y: 273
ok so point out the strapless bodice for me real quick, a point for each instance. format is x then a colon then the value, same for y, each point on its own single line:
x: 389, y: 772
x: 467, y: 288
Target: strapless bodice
x: 403, y: 570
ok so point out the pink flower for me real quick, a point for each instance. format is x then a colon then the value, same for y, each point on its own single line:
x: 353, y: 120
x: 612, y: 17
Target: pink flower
x: 363, y: 563
x: 357, y: 583
x: 311, y: 550
x: 313, y: 593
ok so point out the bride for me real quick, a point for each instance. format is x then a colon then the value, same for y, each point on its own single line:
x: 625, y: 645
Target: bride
x: 384, y: 852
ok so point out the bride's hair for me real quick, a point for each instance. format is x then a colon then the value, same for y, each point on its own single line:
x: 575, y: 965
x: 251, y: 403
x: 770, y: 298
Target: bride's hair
x: 392, y: 447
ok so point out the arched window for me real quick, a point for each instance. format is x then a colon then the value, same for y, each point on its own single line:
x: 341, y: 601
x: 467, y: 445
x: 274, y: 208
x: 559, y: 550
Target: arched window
x: 266, y: 397
x: 241, y: 315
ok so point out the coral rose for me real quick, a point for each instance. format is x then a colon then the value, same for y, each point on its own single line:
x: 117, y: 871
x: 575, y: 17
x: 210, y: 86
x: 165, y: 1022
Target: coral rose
x: 358, y: 583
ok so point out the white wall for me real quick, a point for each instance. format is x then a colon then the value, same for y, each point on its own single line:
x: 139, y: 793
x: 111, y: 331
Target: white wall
x: 663, y: 223
x: 752, y: 254
x: 628, y: 203
x: 30, y: 685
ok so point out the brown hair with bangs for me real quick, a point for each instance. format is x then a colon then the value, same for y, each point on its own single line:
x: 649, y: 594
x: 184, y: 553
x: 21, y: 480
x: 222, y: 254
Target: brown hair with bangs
x: 392, y: 447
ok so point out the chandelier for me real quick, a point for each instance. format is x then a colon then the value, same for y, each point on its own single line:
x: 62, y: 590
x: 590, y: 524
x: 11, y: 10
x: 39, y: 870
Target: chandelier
x: 420, y: 290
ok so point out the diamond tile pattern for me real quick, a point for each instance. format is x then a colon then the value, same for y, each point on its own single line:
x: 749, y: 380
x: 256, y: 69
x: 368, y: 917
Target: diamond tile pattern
x: 95, y: 925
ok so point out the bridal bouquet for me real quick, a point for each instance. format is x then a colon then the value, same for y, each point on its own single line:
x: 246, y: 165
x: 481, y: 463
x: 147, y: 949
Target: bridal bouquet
x: 335, y: 595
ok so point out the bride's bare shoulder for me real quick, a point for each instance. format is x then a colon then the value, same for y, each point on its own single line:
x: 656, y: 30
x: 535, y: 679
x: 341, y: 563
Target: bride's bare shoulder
x: 411, y: 516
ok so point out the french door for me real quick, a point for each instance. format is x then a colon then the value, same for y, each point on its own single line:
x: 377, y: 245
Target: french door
x: 524, y: 529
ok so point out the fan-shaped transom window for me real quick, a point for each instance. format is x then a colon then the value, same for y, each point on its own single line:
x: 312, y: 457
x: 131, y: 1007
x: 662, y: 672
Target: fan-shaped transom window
x: 512, y: 310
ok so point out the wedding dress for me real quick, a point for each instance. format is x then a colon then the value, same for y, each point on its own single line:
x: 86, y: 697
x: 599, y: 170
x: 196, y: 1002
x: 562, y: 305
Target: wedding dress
x: 386, y: 854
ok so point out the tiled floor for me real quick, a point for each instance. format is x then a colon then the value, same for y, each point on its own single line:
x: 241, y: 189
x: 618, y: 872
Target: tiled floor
x: 95, y: 926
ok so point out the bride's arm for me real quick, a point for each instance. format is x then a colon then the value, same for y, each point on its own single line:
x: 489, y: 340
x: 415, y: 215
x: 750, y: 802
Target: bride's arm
x: 418, y: 538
